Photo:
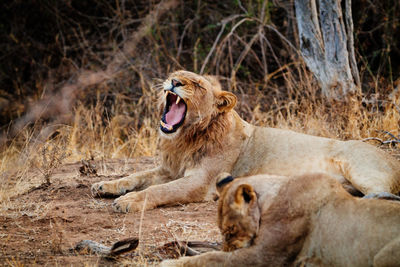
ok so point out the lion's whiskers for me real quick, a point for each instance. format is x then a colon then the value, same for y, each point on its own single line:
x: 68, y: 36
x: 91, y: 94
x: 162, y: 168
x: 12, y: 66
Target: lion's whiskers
x: 158, y: 86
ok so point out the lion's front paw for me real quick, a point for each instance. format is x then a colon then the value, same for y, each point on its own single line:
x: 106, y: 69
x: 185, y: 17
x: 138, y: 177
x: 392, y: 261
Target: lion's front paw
x: 106, y: 189
x: 134, y: 201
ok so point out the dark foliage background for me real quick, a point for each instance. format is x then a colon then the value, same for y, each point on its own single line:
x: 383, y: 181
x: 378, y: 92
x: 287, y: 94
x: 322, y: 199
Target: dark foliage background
x: 47, y: 44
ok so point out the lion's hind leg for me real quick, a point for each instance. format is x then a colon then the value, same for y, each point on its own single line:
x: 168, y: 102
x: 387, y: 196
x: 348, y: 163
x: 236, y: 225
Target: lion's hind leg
x: 370, y: 170
x: 389, y: 255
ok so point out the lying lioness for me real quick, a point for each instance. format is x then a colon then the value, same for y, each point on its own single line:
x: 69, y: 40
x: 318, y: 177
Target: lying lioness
x: 307, y: 220
x: 202, y: 136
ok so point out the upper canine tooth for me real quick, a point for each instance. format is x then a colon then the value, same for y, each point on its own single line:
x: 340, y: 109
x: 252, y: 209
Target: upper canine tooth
x: 177, y: 99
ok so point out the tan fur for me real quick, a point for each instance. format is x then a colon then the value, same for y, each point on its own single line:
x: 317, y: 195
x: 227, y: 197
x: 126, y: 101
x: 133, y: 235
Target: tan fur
x: 307, y: 220
x: 214, y: 139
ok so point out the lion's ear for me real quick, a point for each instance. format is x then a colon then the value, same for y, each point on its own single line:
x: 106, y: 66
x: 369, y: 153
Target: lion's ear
x: 226, y: 101
x: 222, y: 180
x: 245, y: 196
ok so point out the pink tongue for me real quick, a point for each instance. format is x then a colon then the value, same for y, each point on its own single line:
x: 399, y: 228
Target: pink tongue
x: 175, y: 114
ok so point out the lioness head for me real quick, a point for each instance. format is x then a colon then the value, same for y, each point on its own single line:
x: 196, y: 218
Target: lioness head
x: 238, y: 213
x: 191, y: 100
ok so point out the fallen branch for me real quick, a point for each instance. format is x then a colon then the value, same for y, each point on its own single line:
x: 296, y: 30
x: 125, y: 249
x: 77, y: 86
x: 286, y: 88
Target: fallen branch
x: 394, y: 141
x: 186, y: 248
x: 118, y: 248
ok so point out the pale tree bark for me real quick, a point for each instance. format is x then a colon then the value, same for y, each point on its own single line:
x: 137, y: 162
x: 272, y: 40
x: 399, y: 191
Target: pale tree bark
x: 327, y: 45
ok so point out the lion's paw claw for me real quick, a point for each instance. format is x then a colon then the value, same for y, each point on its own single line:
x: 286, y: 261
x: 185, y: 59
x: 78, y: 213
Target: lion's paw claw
x: 97, y: 189
x: 120, y: 206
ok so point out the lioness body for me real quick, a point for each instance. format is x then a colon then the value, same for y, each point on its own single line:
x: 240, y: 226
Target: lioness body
x: 307, y: 220
x: 201, y: 136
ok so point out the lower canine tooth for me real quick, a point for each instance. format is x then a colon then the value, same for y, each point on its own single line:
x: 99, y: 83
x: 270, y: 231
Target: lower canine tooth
x: 169, y: 127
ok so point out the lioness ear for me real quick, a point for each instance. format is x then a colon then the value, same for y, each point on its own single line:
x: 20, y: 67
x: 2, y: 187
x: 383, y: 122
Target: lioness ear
x: 245, y: 195
x: 226, y: 101
x: 223, y: 179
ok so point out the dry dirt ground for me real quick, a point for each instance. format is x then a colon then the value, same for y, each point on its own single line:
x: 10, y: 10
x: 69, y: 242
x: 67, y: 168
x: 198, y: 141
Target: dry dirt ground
x: 42, y: 225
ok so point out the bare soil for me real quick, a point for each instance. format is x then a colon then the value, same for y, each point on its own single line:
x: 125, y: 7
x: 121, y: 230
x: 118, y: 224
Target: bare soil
x: 43, y: 224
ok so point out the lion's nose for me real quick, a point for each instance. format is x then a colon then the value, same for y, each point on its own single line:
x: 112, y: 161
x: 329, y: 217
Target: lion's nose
x: 176, y: 83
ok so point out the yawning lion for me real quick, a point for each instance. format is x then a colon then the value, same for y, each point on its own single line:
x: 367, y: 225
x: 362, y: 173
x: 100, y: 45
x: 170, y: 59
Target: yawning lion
x: 201, y: 136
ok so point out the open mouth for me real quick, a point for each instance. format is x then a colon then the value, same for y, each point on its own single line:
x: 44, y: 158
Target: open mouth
x: 174, y: 113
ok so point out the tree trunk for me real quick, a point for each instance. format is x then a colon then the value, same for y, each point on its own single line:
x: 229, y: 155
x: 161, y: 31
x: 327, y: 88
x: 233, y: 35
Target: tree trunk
x: 327, y: 47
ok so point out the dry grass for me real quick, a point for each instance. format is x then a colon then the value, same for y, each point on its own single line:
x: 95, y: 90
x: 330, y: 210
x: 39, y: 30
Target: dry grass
x: 92, y: 135
x: 116, y: 115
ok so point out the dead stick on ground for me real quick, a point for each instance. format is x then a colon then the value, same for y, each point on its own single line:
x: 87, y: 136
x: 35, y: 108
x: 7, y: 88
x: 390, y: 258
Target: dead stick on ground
x: 383, y: 142
x: 118, y: 248
x: 186, y: 248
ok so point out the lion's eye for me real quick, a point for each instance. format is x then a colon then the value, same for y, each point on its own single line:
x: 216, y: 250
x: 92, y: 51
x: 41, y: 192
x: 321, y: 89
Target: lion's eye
x: 176, y: 83
x: 230, y: 233
x: 228, y: 236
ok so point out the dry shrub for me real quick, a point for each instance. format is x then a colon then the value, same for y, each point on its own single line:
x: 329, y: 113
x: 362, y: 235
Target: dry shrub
x: 56, y: 237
